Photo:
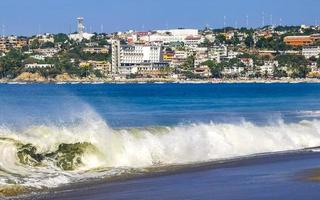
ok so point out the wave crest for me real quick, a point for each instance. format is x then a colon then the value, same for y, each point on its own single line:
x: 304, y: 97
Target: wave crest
x: 50, y: 155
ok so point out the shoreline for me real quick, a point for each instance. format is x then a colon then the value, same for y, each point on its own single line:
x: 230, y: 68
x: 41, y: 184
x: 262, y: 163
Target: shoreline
x: 162, y: 81
x: 172, y: 170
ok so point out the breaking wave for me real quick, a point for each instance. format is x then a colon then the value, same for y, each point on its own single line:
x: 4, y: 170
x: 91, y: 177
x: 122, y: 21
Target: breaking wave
x: 48, y: 156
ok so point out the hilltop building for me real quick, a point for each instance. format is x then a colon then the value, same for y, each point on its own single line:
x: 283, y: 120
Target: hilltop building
x: 81, y: 34
x: 301, y: 40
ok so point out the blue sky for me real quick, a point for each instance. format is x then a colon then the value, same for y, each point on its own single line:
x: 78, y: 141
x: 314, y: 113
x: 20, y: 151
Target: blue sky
x: 27, y: 17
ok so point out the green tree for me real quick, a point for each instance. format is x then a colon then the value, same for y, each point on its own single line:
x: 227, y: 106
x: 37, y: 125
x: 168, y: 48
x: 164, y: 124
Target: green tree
x: 216, y: 68
x: 11, y: 64
x: 35, y: 44
x: 189, y: 63
x: 60, y: 38
x: 249, y: 41
x: 279, y: 73
x: 47, y: 45
x: 220, y: 39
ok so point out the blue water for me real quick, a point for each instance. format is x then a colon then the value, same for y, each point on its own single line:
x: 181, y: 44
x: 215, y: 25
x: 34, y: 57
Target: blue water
x: 152, y: 105
x: 139, y: 105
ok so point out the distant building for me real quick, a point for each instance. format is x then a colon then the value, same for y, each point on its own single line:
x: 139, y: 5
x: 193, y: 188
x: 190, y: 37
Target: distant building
x: 201, y: 56
x: 134, y: 54
x: 172, y: 35
x: 103, y: 66
x: 38, y: 66
x: 232, y: 54
x: 168, y: 55
x: 11, y: 42
x: 180, y: 57
x: 145, y: 69
x: 38, y: 57
x: 232, y: 71
x: 311, y: 51
x: 116, y: 57
x: 268, y: 67
x: 183, y: 33
x: 192, y: 40
x: 45, y: 38
x: 3, y: 46
x: 47, y: 52
x: 131, y: 55
x: 98, y: 50
x: 204, y: 71
x: 301, y: 40
x: 81, y: 34
x: 248, y: 62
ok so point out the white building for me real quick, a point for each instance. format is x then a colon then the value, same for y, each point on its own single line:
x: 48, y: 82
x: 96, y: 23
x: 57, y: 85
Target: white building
x: 232, y: 54
x: 193, y: 40
x: 47, y: 52
x: 312, y: 51
x: 81, y: 34
x: 135, y: 54
x: 181, y: 32
x: 47, y: 37
x: 171, y: 35
x: 201, y: 56
x: 38, y: 57
x: 221, y: 50
x: 38, y: 66
x: 268, y: 67
x: 128, y: 55
x: 235, y: 70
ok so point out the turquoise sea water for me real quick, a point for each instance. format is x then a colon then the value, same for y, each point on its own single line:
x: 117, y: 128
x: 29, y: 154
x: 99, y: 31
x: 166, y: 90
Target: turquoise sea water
x: 138, y: 126
x: 140, y: 105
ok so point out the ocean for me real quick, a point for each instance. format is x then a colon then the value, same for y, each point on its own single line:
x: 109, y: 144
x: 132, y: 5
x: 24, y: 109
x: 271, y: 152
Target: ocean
x: 160, y: 141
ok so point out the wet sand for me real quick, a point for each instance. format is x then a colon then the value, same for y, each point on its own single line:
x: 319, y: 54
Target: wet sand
x: 204, y: 181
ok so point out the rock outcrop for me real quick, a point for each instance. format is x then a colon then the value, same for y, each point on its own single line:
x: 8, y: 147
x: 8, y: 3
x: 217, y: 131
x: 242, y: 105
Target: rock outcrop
x: 30, y: 77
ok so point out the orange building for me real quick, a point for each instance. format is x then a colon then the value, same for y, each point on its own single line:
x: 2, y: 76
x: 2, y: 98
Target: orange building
x: 299, y: 40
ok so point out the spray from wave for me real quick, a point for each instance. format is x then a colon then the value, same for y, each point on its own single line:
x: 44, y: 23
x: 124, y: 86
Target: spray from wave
x: 48, y: 156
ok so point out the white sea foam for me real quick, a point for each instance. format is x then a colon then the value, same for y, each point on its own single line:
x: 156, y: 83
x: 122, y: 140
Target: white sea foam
x: 141, y: 148
x: 313, y: 114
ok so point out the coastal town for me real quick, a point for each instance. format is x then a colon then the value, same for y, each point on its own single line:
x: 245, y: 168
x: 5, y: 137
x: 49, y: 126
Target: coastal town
x: 269, y: 53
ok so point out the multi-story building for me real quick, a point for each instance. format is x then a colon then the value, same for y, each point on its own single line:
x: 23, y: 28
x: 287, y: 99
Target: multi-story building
x: 22, y: 42
x: 301, y: 40
x: 311, y: 51
x: 268, y: 67
x: 135, y: 54
x: 3, y: 46
x: 11, y: 42
x: 218, y: 53
x: 115, y: 58
x: 179, y: 58
x: 192, y: 40
x: 201, y: 56
x: 221, y: 50
x: 124, y: 55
